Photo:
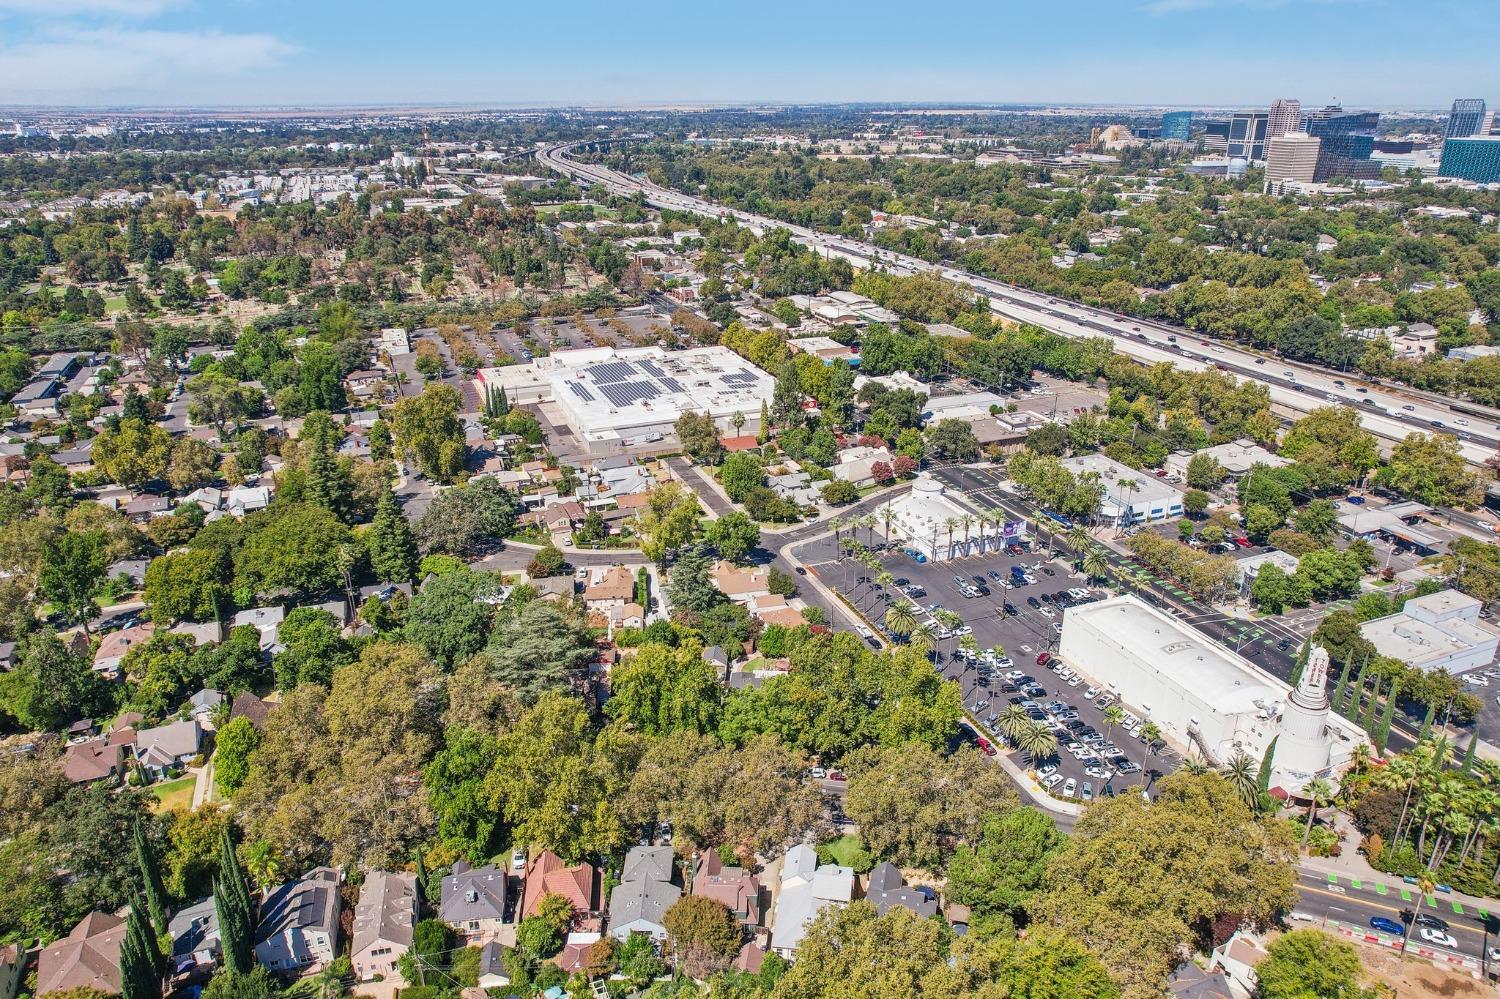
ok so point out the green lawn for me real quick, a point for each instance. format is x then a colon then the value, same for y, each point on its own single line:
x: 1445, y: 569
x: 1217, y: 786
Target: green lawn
x: 846, y: 850
x: 174, y: 794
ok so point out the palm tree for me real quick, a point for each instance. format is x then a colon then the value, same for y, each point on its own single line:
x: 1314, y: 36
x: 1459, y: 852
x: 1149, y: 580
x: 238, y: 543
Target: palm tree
x: 968, y: 643
x: 1152, y: 735
x: 997, y: 650
x: 1424, y: 888
x: 1318, y: 792
x: 868, y: 523
x: 1079, y: 539
x: 950, y: 524
x: 899, y: 620
x: 921, y: 639
x: 1126, y: 487
x: 1037, y: 741
x: 1012, y: 722
x: 1113, y: 715
x: 1242, y: 772
x: 886, y: 515
x: 1194, y: 766
x: 1095, y: 565
x: 967, y: 521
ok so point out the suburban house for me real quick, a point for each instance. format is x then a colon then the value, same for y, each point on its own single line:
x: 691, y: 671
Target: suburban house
x: 735, y: 887
x: 806, y: 890
x: 247, y: 705
x: 87, y: 958
x: 741, y: 585
x: 492, y: 973
x: 12, y: 967
x: 639, y: 903
x: 94, y: 760
x: 546, y: 874
x: 473, y: 902
x: 385, y: 917
x: 114, y: 646
x: 168, y: 747
x: 195, y: 936
x: 266, y: 620
x: 885, y: 888
x: 299, y: 923
x: 612, y: 587
x: 857, y: 465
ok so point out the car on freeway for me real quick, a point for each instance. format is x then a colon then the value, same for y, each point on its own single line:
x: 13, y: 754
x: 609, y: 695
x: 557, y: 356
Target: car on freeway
x: 1387, y: 925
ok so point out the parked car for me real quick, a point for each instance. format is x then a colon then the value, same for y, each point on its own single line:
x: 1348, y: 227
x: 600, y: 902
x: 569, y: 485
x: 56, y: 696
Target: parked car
x: 1387, y: 925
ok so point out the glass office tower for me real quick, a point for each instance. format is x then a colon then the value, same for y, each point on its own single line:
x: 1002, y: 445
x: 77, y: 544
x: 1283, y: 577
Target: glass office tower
x: 1247, y: 135
x: 1177, y: 125
x: 1466, y: 118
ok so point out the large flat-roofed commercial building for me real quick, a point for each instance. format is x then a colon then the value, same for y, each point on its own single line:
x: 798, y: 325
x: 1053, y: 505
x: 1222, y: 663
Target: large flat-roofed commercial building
x: 1204, y: 697
x: 1130, y: 496
x: 1439, y: 631
x: 614, y: 396
x: 930, y: 522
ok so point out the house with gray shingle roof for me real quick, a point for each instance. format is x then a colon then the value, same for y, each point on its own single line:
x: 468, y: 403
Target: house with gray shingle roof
x: 299, y: 923
x: 473, y: 902
x: 640, y: 902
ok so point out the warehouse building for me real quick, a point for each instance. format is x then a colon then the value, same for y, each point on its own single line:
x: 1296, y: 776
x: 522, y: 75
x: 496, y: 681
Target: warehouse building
x: 1207, y: 700
x: 635, y: 395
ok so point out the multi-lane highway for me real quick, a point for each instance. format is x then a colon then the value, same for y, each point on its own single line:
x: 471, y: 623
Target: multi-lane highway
x: 1387, y: 413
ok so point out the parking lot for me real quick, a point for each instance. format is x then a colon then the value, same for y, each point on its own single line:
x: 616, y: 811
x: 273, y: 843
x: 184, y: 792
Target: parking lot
x: 1028, y: 629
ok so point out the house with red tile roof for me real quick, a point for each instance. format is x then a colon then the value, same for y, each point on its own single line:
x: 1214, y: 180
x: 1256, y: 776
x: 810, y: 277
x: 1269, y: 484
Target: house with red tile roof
x: 546, y: 874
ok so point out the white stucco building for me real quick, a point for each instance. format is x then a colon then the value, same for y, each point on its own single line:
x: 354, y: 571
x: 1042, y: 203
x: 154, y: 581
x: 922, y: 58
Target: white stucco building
x: 1130, y: 495
x: 1205, y: 698
x: 1438, y: 631
x: 921, y: 520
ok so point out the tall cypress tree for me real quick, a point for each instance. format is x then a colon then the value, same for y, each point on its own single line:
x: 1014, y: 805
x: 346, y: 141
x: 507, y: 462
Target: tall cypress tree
x: 234, y: 935
x: 1337, y: 699
x: 140, y: 961
x: 151, y: 884
x: 1301, y: 665
x: 1427, y: 722
x: 233, y: 876
x: 1372, y: 708
x: 1385, y: 717
x: 1469, y: 753
x: 1351, y: 709
x: 393, y: 550
x: 1265, y: 766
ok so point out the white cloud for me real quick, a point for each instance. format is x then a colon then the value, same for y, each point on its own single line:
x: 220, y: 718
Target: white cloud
x: 87, y: 8
x: 114, y: 65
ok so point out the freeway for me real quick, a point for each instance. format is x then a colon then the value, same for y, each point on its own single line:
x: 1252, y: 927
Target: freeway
x: 1298, y: 387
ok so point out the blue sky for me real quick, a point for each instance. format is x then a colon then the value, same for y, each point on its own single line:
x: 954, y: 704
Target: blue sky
x: 1372, y: 53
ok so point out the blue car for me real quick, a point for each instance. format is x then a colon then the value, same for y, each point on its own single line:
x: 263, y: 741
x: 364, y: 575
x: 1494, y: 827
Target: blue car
x: 1386, y: 925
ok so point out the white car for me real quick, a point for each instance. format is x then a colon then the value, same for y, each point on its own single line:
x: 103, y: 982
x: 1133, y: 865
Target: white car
x: 1438, y: 938
x: 1057, y: 627
x: 518, y: 860
x: 1478, y: 680
x: 1091, y: 693
x: 1047, y: 771
x: 1002, y: 663
x: 1052, y: 781
x: 1075, y: 681
x: 817, y: 773
x: 1048, y: 612
x: 1070, y: 788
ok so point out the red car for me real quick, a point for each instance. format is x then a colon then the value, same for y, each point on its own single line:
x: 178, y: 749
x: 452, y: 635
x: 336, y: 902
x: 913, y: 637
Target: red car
x: 1043, y: 658
x: 985, y: 747
x: 1242, y: 541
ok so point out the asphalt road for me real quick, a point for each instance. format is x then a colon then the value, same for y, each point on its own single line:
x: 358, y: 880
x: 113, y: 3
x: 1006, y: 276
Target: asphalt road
x: 1336, y: 903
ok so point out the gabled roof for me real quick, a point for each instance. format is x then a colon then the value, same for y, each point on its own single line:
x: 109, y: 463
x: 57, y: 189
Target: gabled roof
x: 309, y: 902
x: 546, y: 874
x: 648, y: 863
x: 386, y: 911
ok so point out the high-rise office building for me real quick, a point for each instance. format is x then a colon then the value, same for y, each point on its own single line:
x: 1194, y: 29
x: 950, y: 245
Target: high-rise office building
x: 1177, y: 125
x: 1291, y: 157
x: 1285, y: 117
x: 1348, y: 138
x: 1247, y: 135
x: 1466, y: 118
x: 1475, y: 158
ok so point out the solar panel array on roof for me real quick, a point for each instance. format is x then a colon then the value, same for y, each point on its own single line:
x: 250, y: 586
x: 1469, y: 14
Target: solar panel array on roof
x: 738, y: 378
x: 673, y: 384
x: 614, y: 371
x: 651, y: 367
x: 625, y: 393
x: 581, y: 392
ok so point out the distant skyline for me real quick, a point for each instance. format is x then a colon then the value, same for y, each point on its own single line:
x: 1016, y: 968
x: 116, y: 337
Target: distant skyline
x: 1364, y: 53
